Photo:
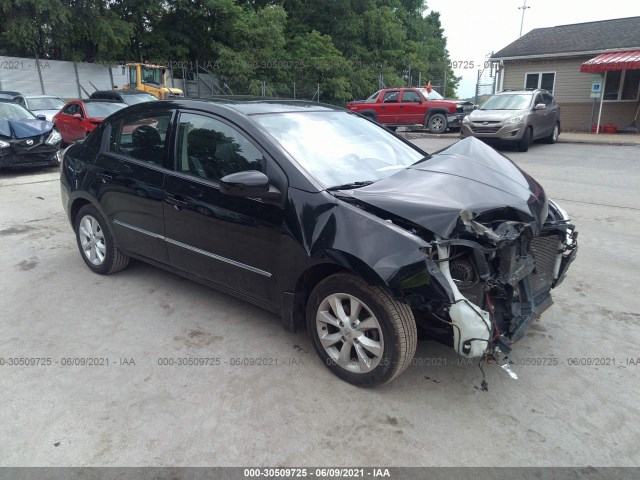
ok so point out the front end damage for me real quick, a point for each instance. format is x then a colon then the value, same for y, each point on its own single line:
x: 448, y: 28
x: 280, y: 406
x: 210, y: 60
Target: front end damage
x: 501, y: 274
x: 493, y: 244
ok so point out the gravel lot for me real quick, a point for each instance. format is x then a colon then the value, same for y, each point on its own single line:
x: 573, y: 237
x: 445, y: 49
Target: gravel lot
x: 138, y: 412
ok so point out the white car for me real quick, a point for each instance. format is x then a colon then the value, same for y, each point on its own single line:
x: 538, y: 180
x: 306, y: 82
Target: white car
x: 47, y: 105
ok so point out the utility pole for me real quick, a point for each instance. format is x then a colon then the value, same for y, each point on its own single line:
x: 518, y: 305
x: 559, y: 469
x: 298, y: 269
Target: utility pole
x: 523, y: 8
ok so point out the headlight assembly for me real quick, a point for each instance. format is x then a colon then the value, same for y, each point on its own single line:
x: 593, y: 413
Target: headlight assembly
x: 53, y: 138
x: 515, y: 119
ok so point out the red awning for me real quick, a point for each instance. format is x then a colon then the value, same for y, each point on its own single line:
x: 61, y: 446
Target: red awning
x: 612, y: 61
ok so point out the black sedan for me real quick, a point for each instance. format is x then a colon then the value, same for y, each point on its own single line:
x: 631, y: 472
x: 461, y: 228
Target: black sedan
x: 326, y: 219
x: 26, y: 140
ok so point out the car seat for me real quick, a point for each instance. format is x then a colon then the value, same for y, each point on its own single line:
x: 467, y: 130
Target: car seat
x: 147, y: 144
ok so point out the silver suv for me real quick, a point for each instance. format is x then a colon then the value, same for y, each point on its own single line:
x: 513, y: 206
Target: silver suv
x: 515, y: 116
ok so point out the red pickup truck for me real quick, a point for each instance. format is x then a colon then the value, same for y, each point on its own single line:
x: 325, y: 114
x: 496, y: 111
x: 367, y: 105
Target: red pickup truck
x: 395, y: 107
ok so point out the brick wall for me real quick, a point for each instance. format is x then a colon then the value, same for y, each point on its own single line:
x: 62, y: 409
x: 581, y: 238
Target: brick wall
x: 577, y: 116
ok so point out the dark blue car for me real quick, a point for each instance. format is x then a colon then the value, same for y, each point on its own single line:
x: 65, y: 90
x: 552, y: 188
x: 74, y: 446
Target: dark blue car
x: 26, y: 140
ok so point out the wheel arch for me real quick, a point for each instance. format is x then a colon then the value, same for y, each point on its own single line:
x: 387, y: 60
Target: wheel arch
x: 371, y: 114
x: 294, y: 304
x: 77, y: 204
x: 80, y: 201
x: 432, y: 111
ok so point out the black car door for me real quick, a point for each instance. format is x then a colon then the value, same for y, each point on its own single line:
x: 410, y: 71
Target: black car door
x: 231, y: 241
x: 129, y: 174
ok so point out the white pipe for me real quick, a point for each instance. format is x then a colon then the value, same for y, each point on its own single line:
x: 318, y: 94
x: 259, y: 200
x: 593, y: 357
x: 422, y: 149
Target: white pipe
x: 604, y: 84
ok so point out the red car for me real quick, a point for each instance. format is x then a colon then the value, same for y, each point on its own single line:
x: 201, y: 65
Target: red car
x: 79, y: 117
x: 396, y: 107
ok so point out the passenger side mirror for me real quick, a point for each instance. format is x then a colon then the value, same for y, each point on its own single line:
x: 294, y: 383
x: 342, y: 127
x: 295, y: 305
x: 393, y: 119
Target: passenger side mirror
x: 249, y: 184
x: 41, y: 117
x: 540, y: 106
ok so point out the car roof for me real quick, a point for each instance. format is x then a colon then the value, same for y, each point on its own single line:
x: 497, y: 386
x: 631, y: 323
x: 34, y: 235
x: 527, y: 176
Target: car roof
x: 239, y: 106
x: 121, y: 92
x: 97, y: 100
x: 524, y: 91
x: 262, y: 105
x: 41, y: 96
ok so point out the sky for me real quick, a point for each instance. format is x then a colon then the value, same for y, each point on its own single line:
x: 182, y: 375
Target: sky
x: 476, y: 28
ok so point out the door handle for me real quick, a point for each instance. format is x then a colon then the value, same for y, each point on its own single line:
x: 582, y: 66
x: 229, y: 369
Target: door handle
x: 177, y: 203
x: 104, y: 177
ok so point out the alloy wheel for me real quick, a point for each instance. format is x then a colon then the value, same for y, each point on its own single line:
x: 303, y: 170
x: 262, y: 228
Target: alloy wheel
x: 92, y: 240
x: 349, y: 333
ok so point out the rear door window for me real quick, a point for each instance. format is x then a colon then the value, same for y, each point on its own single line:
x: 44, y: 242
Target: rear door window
x: 143, y: 137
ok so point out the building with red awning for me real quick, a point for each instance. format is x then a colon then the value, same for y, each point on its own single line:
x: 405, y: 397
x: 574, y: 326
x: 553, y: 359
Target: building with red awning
x: 592, y: 69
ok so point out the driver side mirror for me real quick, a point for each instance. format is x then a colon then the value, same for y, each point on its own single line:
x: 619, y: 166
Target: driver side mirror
x: 41, y: 117
x: 77, y: 115
x: 540, y: 106
x: 249, y: 184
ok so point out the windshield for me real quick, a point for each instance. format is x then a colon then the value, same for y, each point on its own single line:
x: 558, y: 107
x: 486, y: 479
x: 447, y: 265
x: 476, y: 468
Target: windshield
x: 433, y: 95
x: 144, y: 97
x: 152, y: 75
x: 339, y: 148
x: 102, y: 110
x: 508, y: 102
x: 48, y: 103
x: 13, y: 110
x: 373, y: 98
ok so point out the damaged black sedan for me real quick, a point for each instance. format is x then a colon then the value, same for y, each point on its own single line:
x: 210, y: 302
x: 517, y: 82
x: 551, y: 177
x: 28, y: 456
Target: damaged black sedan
x: 26, y: 140
x: 326, y: 219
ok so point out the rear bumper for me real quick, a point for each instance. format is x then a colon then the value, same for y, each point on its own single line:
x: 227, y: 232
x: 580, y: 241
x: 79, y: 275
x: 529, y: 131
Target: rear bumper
x: 454, y: 120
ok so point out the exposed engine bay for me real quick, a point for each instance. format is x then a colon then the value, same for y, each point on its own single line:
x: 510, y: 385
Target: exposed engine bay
x: 502, y: 279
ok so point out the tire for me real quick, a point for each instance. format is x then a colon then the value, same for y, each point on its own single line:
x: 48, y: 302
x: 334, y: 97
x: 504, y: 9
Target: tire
x: 100, y: 252
x: 437, y: 123
x: 386, y: 326
x: 525, y: 141
x: 553, y: 138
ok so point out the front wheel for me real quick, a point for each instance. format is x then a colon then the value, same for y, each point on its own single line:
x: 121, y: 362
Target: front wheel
x: 364, y: 335
x: 525, y: 141
x: 96, y: 243
x: 437, y: 123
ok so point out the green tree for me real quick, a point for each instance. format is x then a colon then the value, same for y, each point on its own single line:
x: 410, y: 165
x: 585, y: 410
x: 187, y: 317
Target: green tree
x: 349, y: 47
x: 30, y: 26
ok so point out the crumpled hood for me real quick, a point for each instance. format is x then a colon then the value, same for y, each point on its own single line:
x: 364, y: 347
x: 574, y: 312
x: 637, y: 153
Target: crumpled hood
x: 24, y: 127
x: 468, y: 175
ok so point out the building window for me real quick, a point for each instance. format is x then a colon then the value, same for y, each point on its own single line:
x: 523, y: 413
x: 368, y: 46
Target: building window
x: 544, y: 80
x: 622, y: 85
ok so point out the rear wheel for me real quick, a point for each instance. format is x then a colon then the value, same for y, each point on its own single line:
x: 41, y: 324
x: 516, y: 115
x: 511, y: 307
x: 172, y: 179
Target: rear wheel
x: 553, y: 138
x: 525, y: 141
x: 95, y: 242
x: 437, y: 123
x: 363, y: 335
